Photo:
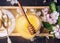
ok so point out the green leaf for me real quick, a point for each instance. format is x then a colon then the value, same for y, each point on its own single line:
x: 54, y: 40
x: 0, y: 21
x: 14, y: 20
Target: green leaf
x: 58, y: 20
x: 58, y: 9
x: 52, y: 6
x: 47, y: 26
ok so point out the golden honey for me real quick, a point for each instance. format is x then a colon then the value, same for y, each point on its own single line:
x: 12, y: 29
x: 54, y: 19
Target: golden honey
x: 22, y: 25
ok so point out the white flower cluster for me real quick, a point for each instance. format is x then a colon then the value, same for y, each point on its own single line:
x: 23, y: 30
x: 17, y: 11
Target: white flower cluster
x: 50, y: 18
x: 56, y: 31
x: 38, y: 13
x: 13, y: 1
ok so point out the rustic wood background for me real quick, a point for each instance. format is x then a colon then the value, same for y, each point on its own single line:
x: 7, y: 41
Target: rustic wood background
x: 17, y: 39
x: 29, y: 3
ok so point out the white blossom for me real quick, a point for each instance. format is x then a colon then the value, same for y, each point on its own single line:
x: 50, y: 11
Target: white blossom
x: 47, y: 37
x: 54, y: 21
x: 57, y: 26
x: 50, y: 18
x: 33, y: 10
x: 38, y: 13
x: 12, y: 2
x: 54, y: 15
x: 45, y: 10
x: 56, y: 30
x: 50, y: 21
x: 57, y: 35
x: 51, y: 32
x: 15, y: 1
x: 25, y: 10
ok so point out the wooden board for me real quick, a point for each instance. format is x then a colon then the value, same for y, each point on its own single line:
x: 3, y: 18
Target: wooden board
x: 15, y: 7
x: 13, y: 10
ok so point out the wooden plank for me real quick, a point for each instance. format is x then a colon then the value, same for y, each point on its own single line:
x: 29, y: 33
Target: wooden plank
x: 42, y: 34
x: 15, y: 7
x: 45, y: 34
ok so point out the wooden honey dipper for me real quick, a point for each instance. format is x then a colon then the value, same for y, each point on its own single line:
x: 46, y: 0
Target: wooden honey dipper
x: 30, y: 26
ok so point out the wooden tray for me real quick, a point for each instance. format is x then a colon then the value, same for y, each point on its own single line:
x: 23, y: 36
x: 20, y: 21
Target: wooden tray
x: 13, y: 10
